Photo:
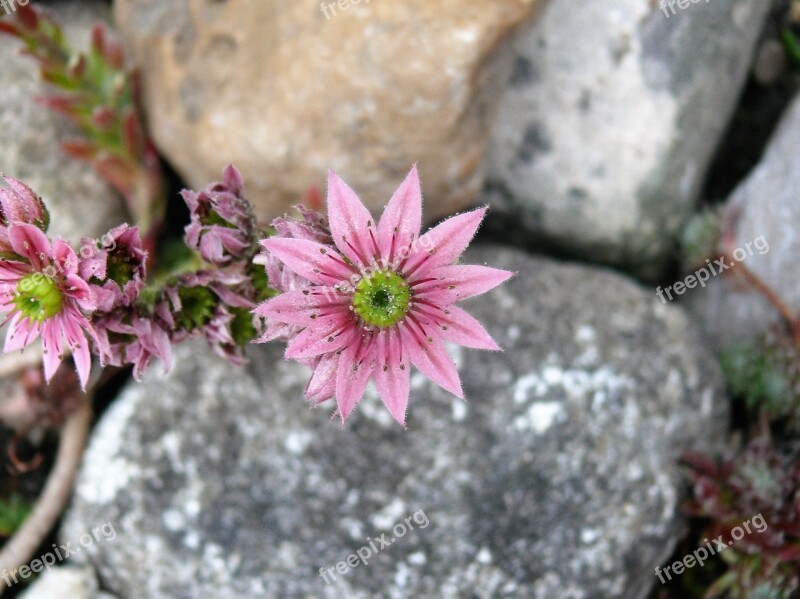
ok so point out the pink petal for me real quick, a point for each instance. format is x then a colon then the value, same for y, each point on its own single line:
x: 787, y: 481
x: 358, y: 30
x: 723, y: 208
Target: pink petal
x: 392, y: 374
x: 64, y: 255
x: 277, y: 330
x: 80, y: 291
x: 429, y: 355
x: 83, y: 362
x: 233, y: 180
x: 352, y: 225
x: 444, y: 243
x: 77, y: 343
x: 30, y: 242
x: 314, y: 261
x: 21, y: 333
x: 314, y: 341
x: 53, y: 346
x: 401, y: 219
x: 454, y: 324
x: 450, y: 284
x: 355, y: 368
x: 307, y: 307
x: 322, y: 385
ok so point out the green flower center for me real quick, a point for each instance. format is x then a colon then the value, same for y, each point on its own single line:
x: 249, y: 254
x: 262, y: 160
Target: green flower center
x: 119, y: 270
x: 381, y: 299
x: 38, y: 297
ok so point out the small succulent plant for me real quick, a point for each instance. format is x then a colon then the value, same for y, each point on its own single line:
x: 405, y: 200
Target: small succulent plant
x: 760, y: 481
x: 97, y: 93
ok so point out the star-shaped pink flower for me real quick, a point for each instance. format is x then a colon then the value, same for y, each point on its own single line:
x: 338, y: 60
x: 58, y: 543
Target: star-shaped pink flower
x: 381, y: 298
x: 42, y: 294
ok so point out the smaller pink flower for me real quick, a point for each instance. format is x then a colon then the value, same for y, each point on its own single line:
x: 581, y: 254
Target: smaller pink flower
x: 42, y: 294
x: 132, y: 339
x: 222, y: 224
x: 114, y: 267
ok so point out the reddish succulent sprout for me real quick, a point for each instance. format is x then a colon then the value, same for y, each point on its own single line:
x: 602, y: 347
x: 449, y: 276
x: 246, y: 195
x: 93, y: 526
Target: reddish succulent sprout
x: 380, y: 298
x: 758, y: 481
x: 42, y: 294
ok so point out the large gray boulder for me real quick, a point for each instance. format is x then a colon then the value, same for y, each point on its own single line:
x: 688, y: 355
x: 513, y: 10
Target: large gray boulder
x: 610, y: 121
x: 766, y: 213
x: 556, y: 479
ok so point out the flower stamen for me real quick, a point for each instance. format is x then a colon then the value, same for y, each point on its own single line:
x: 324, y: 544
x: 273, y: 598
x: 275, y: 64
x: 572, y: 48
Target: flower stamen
x: 382, y: 299
x: 38, y: 297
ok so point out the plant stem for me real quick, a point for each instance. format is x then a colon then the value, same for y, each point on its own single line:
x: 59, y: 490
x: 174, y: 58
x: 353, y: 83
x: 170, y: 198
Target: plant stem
x: 48, y: 508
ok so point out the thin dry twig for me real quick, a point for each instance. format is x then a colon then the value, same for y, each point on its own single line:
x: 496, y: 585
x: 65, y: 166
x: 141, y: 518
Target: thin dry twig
x: 50, y: 504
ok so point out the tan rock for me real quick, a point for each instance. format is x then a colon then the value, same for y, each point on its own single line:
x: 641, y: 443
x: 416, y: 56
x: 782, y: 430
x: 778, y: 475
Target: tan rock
x: 284, y: 92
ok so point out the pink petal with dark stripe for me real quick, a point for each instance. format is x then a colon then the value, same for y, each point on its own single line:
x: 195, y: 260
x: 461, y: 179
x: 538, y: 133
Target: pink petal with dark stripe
x: 446, y: 243
x: 30, y: 242
x: 312, y: 306
x: 322, y: 385
x: 455, y: 325
x: 352, y: 225
x: 450, y: 284
x: 355, y: 367
x: 314, y: 261
x: 401, y: 220
x: 392, y: 374
x: 315, y: 341
x: 429, y: 355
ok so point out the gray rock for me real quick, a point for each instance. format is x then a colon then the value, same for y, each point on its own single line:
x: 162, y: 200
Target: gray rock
x: 80, y: 202
x: 767, y: 212
x: 610, y: 120
x: 75, y: 583
x: 556, y: 479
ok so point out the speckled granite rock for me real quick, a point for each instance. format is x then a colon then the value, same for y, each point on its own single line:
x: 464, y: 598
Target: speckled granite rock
x: 610, y: 121
x: 65, y: 581
x: 285, y: 91
x: 767, y: 207
x: 557, y: 479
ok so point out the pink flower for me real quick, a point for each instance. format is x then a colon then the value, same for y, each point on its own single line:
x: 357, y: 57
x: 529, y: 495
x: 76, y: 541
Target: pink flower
x: 380, y: 299
x: 114, y: 267
x: 132, y: 339
x: 222, y: 223
x: 42, y: 294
